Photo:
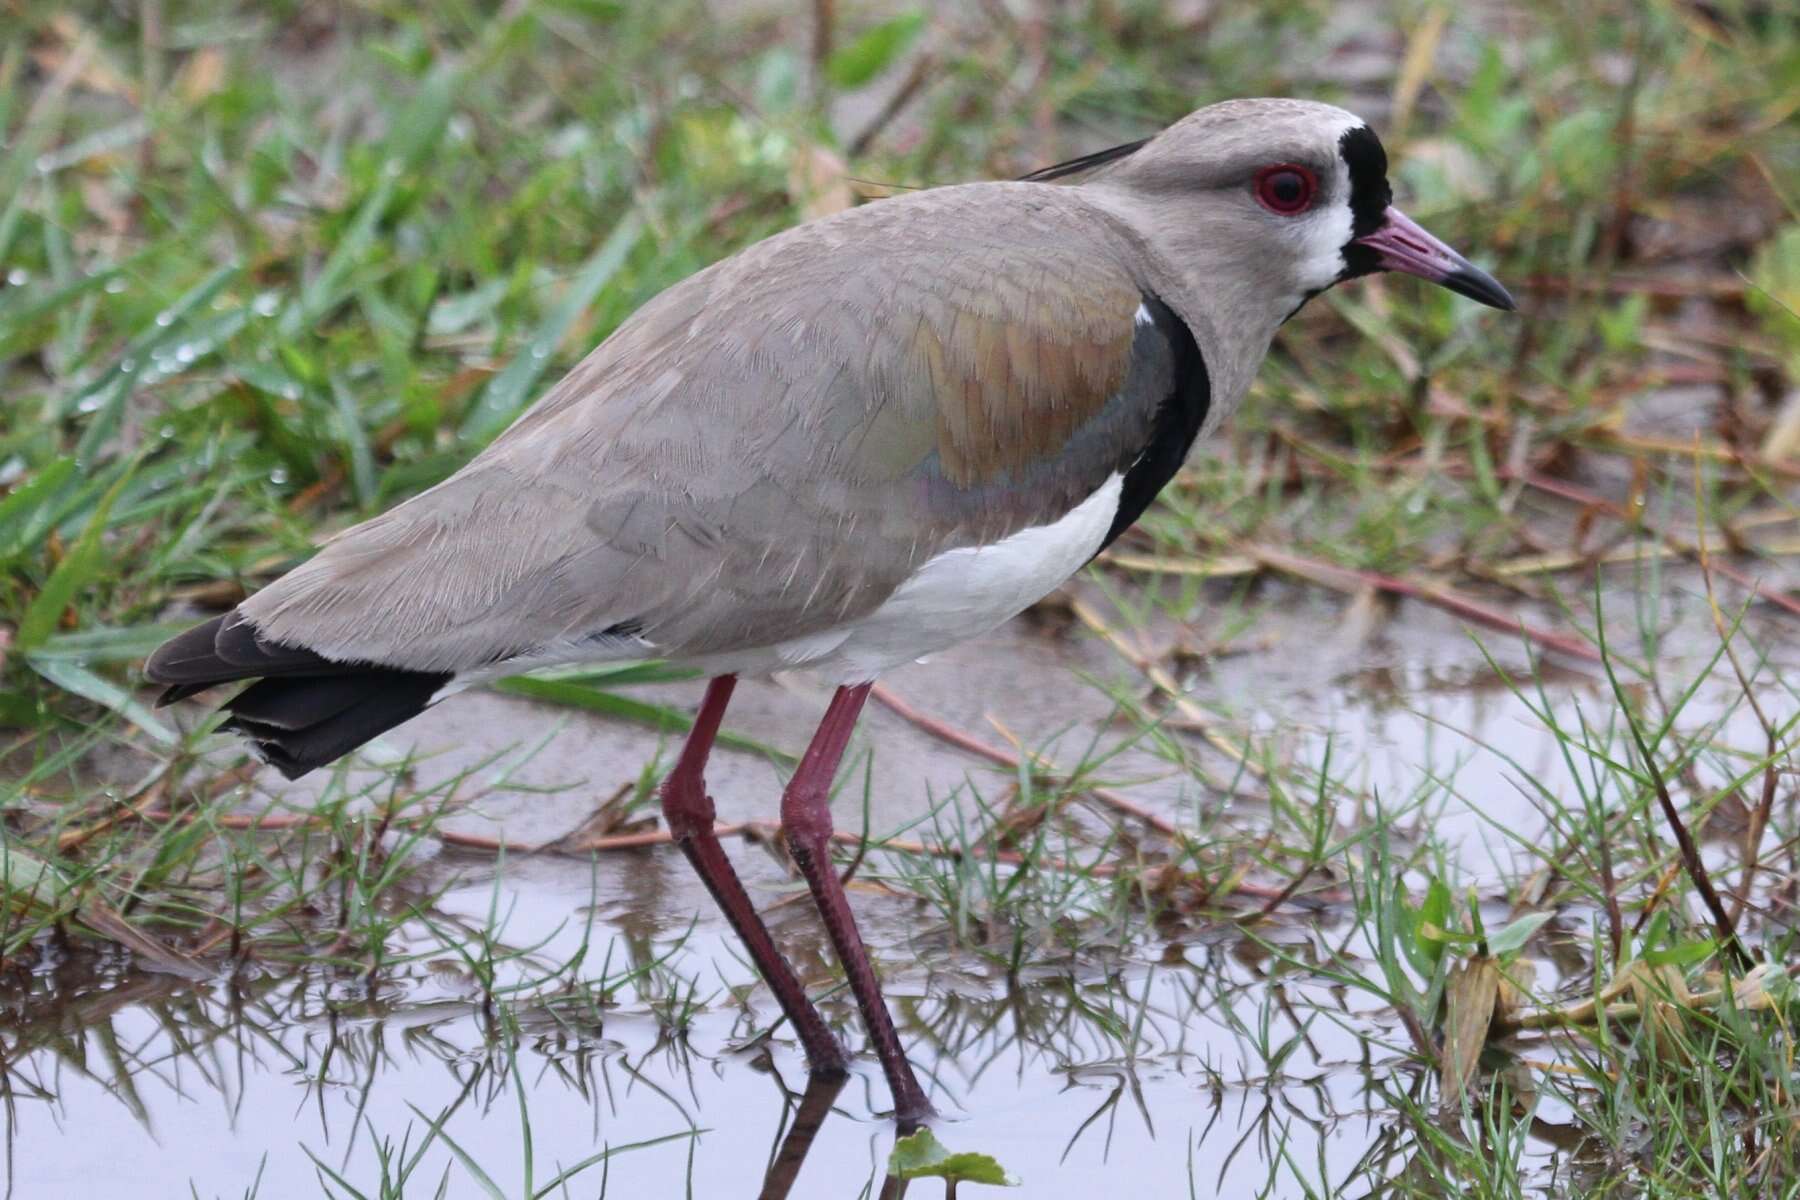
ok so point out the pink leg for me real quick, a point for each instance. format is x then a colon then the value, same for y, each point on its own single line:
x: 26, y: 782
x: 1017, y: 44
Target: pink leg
x: 688, y: 810
x: 806, y: 820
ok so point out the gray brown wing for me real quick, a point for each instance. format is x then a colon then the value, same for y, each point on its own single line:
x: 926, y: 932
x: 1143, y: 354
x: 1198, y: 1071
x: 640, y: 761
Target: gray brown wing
x: 772, y: 446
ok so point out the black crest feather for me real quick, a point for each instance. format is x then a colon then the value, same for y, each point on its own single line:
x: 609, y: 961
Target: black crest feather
x: 1087, y: 162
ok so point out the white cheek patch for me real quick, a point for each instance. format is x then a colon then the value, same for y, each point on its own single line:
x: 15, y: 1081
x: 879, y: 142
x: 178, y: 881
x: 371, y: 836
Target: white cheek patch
x: 1323, y: 233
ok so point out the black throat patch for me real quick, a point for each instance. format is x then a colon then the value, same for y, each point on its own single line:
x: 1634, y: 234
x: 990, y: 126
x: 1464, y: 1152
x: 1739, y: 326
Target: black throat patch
x: 1179, y: 415
x: 1370, y: 196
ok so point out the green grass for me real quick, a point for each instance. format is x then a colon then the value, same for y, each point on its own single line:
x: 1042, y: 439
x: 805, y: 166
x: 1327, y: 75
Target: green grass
x: 267, y: 269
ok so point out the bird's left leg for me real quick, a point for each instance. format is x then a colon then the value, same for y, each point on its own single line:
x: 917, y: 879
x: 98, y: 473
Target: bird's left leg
x: 806, y: 821
x: 688, y: 811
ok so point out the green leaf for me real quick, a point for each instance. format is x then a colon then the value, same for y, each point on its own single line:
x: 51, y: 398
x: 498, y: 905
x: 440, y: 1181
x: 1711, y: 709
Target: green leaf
x: 593, y: 10
x: 1682, y: 954
x: 1428, y: 933
x: 1478, y: 930
x: 420, y: 125
x: 467, y: 1160
x: 922, y: 1156
x: 80, y: 565
x: 73, y: 677
x: 593, y: 699
x: 852, y: 65
x: 1659, y: 946
x: 30, y: 496
x: 652, y: 670
x: 1774, y: 294
x: 327, y: 289
x: 107, y: 643
x: 17, y: 310
x: 18, y: 711
x: 506, y: 392
x: 1511, y: 937
x: 28, y: 879
x: 103, y: 401
x: 556, y: 1186
x: 356, y: 442
x: 1655, y: 934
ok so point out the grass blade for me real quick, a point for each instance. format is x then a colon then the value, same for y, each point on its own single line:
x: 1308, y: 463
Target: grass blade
x: 642, y: 712
x: 506, y: 392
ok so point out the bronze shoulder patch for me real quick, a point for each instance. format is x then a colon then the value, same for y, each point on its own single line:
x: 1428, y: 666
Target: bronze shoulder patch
x: 1011, y: 389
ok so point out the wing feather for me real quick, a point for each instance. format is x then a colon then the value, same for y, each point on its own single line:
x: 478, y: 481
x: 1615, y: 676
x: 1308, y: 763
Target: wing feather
x: 769, y: 447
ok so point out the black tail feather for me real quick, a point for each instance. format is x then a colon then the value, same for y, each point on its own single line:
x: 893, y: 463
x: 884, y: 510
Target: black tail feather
x: 299, y: 703
x: 179, y: 691
x: 306, y: 710
x: 222, y: 650
x: 282, y: 717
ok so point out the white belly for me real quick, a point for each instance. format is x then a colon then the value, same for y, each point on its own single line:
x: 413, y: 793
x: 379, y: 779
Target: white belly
x: 958, y: 595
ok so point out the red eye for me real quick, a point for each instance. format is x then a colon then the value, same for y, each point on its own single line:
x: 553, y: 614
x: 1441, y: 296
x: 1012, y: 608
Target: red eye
x: 1285, y: 188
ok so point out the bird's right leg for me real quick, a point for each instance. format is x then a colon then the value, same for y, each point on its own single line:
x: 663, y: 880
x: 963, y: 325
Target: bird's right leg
x: 688, y: 811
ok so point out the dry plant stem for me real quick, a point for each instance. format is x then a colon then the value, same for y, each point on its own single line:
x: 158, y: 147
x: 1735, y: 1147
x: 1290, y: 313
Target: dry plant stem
x: 1580, y: 495
x: 824, y: 26
x: 1749, y: 991
x: 1753, y: 836
x: 1665, y: 880
x: 1720, y: 286
x: 1690, y: 853
x: 1220, y: 566
x: 1615, y: 917
x: 1638, y: 443
x: 1165, y: 683
x: 1765, y: 807
x: 137, y: 806
x: 915, y: 80
x: 1287, y: 892
x: 1351, y: 580
x: 944, y: 731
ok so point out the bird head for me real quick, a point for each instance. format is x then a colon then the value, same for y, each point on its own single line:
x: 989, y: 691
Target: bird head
x: 1259, y: 205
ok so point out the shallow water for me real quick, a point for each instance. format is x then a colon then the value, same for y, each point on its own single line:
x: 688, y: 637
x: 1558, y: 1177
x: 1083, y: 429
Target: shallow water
x: 1142, y: 1062
x: 1074, y: 1082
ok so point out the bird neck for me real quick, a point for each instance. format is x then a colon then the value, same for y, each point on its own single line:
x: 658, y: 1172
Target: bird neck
x: 1233, y: 320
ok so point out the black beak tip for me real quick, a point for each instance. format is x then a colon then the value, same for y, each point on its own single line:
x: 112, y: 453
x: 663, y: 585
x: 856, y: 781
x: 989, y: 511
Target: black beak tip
x: 1480, y: 287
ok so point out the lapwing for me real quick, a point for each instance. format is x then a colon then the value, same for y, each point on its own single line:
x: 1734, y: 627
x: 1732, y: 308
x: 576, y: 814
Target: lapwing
x: 850, y: 445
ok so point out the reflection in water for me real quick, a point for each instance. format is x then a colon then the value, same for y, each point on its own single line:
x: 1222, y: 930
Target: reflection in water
x: 1199, y: 1067
x: 804, y: 1123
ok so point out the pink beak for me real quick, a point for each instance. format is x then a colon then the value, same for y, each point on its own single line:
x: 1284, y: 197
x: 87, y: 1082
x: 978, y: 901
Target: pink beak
x: 1402, y: 244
